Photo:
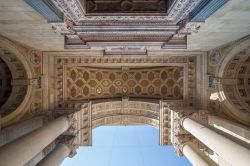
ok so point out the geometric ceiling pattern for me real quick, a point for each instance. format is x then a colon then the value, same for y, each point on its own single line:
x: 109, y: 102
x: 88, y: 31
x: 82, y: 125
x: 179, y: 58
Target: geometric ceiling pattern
x: 99, y: 83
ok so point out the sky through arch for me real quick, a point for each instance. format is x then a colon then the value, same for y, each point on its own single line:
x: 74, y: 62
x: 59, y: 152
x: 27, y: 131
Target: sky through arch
x: 126, y: 146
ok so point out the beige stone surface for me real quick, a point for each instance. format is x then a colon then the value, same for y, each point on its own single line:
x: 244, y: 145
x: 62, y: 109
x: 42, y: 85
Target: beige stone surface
x: 19, y: 22
x: 16, y: 131
x: 229, y: 23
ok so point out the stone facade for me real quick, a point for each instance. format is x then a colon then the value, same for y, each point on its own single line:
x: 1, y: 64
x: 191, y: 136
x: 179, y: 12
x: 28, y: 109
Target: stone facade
x: 124, y: 76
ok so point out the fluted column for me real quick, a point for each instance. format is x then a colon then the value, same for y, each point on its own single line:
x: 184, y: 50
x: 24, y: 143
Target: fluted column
x: 196, y: 156
x: 56, y: 156
x: 232, y: 152
x: 24, y: 149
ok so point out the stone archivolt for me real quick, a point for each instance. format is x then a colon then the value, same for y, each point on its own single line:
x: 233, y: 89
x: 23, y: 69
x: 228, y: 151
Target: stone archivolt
x: 230, y: 80
x: 26, y: 97
x: 239, y: 94
x: 16, y: 73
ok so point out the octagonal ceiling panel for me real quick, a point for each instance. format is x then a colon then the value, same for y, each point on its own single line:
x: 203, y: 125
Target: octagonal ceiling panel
x: 103, y: 83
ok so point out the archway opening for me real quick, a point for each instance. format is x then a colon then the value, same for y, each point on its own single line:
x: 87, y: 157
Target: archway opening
x: 126, y: 145
x: 13, y: 82
x: 5, y: 83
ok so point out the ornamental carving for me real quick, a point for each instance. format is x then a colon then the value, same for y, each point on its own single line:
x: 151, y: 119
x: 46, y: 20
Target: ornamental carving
x: 238, y: 93
x: 83, y: 125
x: 79, y: 79
x: 79, y: 10
x: 36, y: 107
x: 85, y: 83
x: 35, y: 57
x: 215, y: 57
x: 12, y: 93
x: 138, y: 21
x: 125, y: 120
x: 125, y: 107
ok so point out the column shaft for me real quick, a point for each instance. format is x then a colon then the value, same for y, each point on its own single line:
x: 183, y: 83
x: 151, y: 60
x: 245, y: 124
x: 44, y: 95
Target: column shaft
x: 56, y: 156
x: 16, y: 131
x: 236, y: 130
x: 232, y: 152
x: 24, y: 149
x: 196, y: 156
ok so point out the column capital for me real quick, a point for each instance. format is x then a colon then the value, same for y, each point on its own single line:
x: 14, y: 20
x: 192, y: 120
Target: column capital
x: 70, y: 142
x: 200, y: 116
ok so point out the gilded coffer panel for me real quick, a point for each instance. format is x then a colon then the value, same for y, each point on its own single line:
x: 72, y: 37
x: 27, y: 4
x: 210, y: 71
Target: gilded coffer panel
x: 87, y: 83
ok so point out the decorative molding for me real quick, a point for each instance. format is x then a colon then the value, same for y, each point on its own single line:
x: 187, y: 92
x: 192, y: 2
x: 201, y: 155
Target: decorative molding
x: 125, y: 107
x: 181, y: 8
x: 205, y: 9
x: 125, y: 50
x: 63, y: 62
x: 47, y: 9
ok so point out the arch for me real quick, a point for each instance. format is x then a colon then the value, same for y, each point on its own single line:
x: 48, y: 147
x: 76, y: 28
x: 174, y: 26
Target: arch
x: 125, y: 120
x: 125, y: 113
x: 20, y: 53
x: 5, y: 82
x: 233, y: 108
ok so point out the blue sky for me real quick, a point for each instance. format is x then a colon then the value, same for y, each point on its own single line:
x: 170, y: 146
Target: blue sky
x: 126, y: 146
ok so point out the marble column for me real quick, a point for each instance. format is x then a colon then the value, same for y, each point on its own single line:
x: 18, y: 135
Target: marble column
x: 56, y: 156
x: 236, y: 130
x: 16, y: 131
x: 195, y: 155
x: 25, y: 148
x: 232, y: 152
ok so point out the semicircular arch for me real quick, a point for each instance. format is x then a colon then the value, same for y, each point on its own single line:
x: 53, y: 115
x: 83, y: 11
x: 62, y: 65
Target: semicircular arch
x: 19, y: 53
x: 229, y: 95
x: 125, y: 113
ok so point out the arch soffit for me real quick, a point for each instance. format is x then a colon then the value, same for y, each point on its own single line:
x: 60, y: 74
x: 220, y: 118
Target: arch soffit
x: 228, y: 55
x: 125, y: 113
x: 125, y: 120
x: 19, y: 52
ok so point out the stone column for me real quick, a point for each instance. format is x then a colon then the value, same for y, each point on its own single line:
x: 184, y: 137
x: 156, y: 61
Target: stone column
x: 20, y: 151
x: 232, y: 152
x: 195, y: 155
x: 236, y: 130
x: 16, y: 131
x: 56, y: 156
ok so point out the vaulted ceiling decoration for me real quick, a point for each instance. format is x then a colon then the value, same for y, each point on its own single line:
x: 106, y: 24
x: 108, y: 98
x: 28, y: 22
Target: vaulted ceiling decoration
x: 84, y: 83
